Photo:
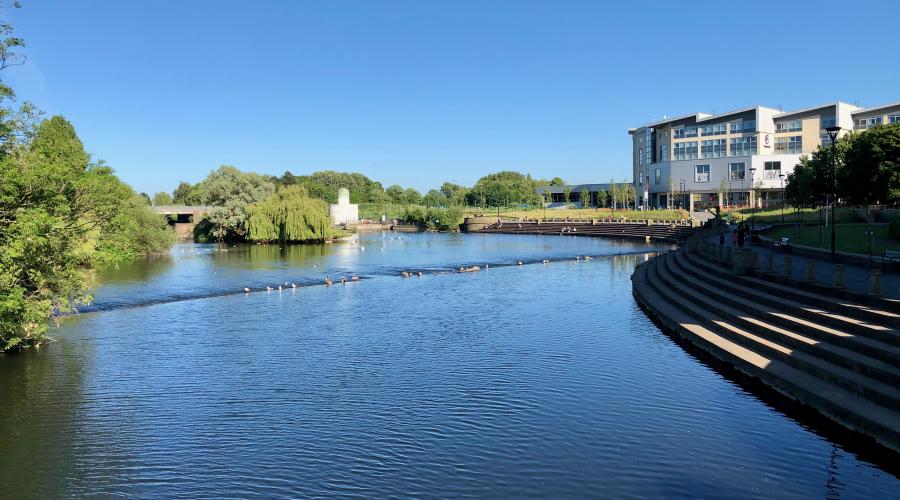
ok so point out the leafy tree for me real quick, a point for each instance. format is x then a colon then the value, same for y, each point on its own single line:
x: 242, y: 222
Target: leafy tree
x: 412, y: 197
x: 503, y: 188
x: 442, y: 219
x: 455, y: 194
x: 585, y: 198
x: 395, y: 194
x: 557, y: 181
x: 291, y: 215
x: 162, y: 198
x: 179, y: 196
x: 602, y: 198
x: 871, y: 166
x: 614, y: 193
x: 230, y: 191
x: 324, y: 185
x: 567, y: 194
x: 434, y: 198
x: 146, y: 198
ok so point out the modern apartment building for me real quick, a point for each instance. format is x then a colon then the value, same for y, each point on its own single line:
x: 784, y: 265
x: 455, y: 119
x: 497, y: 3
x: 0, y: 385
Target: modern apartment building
x: 737, y: 158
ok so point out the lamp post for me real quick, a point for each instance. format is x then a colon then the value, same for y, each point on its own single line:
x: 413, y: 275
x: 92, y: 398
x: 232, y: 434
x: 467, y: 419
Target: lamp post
x: 832, y: 133
x: 749, y: 195
x: 781, y: 176
x: 681, y: 188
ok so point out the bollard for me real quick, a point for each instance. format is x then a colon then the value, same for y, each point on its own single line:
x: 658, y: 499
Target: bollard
x: 770, y: 263
x: 839, y: 276
x: 788, y: 265
x: 875, y: 282
x: 810, y: 271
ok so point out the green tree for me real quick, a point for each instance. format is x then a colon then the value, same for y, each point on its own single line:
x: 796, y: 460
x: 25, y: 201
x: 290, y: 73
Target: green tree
x: 557, y: 181
x: 871, y: 166
x: 567, y: 195
x: 412, y: 197
x: 585, y: 198
x: 290, y: 215
x: 395, y: 194
x: 179, y: 196
x: 162, y: 198
x: 602, y: 198
x: 614, y: 193
x: 434, y: 198
x: 229, y: 191
x: 455, y: 194
x: 504, y: 188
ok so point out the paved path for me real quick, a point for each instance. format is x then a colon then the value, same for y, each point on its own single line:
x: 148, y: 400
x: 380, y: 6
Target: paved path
x: 856, y: 278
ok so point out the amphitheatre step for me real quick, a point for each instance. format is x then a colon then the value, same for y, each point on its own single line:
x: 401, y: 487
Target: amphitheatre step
x: 836, y: 365
x: 840, y: 405
x: 784, y: 315
x: 866, y: 313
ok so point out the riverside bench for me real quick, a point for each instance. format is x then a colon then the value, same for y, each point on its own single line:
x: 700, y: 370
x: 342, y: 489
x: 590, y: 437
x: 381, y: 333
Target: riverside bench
x: 783, y: 243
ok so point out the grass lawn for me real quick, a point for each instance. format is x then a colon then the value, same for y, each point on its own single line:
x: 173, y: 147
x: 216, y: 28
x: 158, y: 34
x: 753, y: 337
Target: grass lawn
x: 850, y: 237
x: 773, y: 215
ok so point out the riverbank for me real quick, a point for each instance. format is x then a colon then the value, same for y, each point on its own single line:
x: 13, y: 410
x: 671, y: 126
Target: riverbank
x: 837, y: 355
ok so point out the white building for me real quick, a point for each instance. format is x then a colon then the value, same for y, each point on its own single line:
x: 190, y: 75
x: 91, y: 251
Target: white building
x: 344, y: 212
x: 701, y: 160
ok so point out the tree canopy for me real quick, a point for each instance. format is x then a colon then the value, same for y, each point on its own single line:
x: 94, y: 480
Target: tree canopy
x: 291, y: 215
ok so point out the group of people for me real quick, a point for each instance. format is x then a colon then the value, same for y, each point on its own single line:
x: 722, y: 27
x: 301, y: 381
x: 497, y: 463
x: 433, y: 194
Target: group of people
x: 737, y: 236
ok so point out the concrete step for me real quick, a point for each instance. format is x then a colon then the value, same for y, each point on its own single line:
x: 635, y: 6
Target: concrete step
x: 838, y: 366
x: 838, y: 404
x: 788, y: 317
x: 841, y: 306
x: 785, y: 299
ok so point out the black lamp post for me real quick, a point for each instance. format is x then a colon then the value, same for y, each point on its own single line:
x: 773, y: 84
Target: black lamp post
x: 681, y: 195
x: 832, y: 133
x: 752, y: 205
x: 781, y: 176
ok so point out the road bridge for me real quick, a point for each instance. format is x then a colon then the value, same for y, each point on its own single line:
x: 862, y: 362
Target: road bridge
x: 183, y: 217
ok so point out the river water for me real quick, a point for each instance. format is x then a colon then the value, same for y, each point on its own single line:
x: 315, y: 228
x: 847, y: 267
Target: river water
x: 516, y: 381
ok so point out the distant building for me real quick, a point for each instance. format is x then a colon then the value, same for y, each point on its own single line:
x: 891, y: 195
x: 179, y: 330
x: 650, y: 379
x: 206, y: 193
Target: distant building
x: 558, y: 194
x: 702, y: 160
x: 344, y: 212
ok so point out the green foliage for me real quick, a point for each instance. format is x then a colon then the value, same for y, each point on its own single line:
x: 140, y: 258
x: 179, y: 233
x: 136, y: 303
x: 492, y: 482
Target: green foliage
x: 434, y: 198
x: 230, y: 191
x: 291, y: 215
x: 557, y: 181
x: 325, y: 184
x: 442, y: 219
x: 61, y: 215
x: 870, y: 173
x: 162, y: 198
x: 504, y: 189
x: 455, y: 194
x: 180, y: 194
x: 894, y: 230
x: 585, y: 198
x: 602, y: 199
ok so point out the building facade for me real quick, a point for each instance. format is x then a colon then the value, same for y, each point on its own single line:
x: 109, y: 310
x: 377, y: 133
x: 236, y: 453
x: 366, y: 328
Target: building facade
x: 737, y: 158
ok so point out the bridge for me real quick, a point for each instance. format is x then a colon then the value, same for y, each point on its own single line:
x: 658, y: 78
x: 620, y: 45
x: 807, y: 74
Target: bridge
x: 183, y: 217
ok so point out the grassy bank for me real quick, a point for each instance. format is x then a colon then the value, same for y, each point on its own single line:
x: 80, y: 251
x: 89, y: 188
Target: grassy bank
x: 773, y: 216
x: 850, y: 237
x: 374, y: 211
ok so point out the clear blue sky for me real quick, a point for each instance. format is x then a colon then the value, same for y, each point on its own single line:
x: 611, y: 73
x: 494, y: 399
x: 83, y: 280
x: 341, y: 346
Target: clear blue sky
x: 419, y: 92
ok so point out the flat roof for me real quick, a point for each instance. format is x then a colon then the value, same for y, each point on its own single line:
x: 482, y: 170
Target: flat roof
x: 575, y: 188
x: 874, y: 108
x: 814, y: 108
x: 699, y: 117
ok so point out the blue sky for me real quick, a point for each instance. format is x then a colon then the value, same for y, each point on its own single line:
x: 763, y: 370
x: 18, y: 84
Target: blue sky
x: 419, y: 92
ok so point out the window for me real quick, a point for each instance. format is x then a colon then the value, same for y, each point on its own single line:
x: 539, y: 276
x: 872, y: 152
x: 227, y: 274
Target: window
x: 893, y: 118
x: 664, y: 152
x: 772, y: 170
x: 790, y: 145
x: 742, y: 146
x: 657, y: 176
x: 790, y: 126
x: 686, y: 150
x: 736, y: 171
x: 640, y: 178
x: 640, y: 157
x: 716, y: 129
x: 749, y: 125
x: 714, y: 148
x: 828, y: 122
x: 864, y: 123
x: 682, y: 132
x: 701, y: 173
x: 736, y: 127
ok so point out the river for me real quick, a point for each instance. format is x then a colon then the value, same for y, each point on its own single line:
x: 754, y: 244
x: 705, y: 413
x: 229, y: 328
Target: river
x: 516, y: 381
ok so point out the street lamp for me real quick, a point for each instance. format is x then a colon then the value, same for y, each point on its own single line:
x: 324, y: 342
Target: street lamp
x: 752, y: 205
x: 781, y: 176
x: 681, y: 187
x: 832, y: 133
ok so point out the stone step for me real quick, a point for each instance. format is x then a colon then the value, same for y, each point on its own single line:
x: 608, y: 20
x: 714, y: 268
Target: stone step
x: 788, y: 318
x: 838, y: 404
x: 852, y: 320
x: 838, y: 366
x: 877, y: 310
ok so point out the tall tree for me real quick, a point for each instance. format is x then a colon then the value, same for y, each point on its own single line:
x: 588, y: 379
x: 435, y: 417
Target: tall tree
x: 180, y: 194
x: 162, y: 198
x: 871, y: 166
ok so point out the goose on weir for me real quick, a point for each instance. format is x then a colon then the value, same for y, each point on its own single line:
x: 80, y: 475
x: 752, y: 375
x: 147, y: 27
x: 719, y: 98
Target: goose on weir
x: 328, y: 280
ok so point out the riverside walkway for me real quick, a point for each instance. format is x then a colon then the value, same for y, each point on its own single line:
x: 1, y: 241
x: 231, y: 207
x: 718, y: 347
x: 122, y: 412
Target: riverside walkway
x: 836, y: 351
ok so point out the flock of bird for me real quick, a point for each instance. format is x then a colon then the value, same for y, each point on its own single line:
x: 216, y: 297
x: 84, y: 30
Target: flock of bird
x: 405, y: 274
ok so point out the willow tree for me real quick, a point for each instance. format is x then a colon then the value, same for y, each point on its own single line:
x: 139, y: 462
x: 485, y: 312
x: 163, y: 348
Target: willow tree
x: 290, y: 215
